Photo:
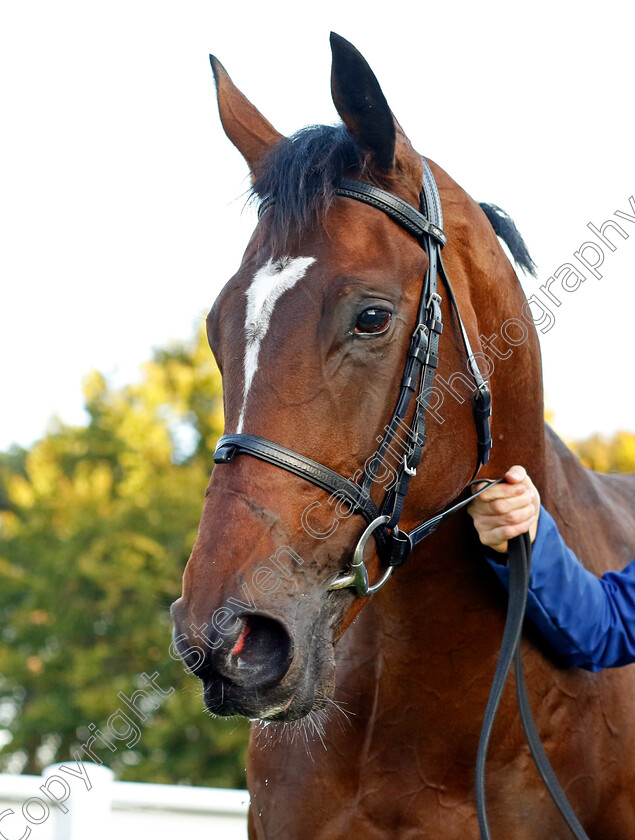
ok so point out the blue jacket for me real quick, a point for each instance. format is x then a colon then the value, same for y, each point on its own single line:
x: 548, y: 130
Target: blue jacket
x: 589, y: 621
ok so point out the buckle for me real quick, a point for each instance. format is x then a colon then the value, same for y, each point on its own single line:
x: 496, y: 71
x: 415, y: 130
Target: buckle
x: 483, y: 396
x: 420, y: 332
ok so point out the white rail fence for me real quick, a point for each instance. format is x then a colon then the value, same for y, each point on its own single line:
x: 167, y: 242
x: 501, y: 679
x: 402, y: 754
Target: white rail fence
x: 82, y: 802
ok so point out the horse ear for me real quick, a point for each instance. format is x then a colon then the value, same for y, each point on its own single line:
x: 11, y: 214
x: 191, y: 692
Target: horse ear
x: 249, y: 131
x: 361, y: 104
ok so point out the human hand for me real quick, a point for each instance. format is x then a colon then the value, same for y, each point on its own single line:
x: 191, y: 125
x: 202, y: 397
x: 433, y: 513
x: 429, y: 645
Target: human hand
x: 506, y: 510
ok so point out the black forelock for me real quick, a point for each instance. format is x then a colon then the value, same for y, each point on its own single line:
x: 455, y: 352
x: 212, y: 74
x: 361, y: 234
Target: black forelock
x: 300, y: 174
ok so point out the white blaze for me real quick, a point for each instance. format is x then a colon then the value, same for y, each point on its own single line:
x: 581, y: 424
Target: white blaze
x: 269, y: 283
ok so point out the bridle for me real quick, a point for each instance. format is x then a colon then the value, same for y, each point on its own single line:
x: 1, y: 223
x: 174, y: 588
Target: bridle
x: 393, y: 544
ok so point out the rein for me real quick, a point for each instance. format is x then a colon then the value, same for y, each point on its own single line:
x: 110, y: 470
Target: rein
x: 519, y: 562
x: 393, y: 544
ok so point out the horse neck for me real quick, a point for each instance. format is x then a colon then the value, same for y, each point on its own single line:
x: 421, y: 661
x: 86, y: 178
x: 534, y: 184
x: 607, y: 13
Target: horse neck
x: 517, y: 422
x: 491, y: 302
x: 443, y: 602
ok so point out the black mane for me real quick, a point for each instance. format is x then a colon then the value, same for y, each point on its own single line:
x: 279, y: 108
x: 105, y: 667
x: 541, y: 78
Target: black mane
x: 300, y: 174
x: 504, y: 227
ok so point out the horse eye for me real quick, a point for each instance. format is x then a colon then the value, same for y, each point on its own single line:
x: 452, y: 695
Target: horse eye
x: 373, y: 321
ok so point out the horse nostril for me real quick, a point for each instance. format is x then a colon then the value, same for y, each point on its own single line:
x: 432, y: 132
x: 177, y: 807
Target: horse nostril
x: 261, y: 654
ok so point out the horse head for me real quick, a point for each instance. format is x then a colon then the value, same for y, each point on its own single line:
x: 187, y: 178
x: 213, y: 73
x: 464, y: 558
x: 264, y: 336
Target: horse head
x: 311, y: 337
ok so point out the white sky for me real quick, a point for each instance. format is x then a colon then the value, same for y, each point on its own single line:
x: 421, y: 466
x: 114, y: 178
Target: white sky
x: 120, y: 197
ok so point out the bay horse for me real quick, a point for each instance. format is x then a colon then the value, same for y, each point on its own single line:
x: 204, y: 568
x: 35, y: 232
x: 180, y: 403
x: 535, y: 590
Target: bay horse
x: 366, y: 710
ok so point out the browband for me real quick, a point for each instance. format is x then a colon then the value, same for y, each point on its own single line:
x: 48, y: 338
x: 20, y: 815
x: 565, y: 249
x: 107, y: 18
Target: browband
x: 398, y: 209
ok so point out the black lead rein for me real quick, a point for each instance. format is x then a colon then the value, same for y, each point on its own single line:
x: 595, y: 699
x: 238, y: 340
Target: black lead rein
x: 519, y: 563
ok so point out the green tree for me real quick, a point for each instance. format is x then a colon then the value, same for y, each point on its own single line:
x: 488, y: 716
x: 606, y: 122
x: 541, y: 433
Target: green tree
x: 607, y: 454
x: 96, y: 524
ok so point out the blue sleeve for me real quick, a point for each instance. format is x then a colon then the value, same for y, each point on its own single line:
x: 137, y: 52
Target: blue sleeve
x: 589, y: 621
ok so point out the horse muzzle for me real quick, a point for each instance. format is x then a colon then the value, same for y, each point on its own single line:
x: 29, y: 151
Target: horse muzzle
x: 253, y: 670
